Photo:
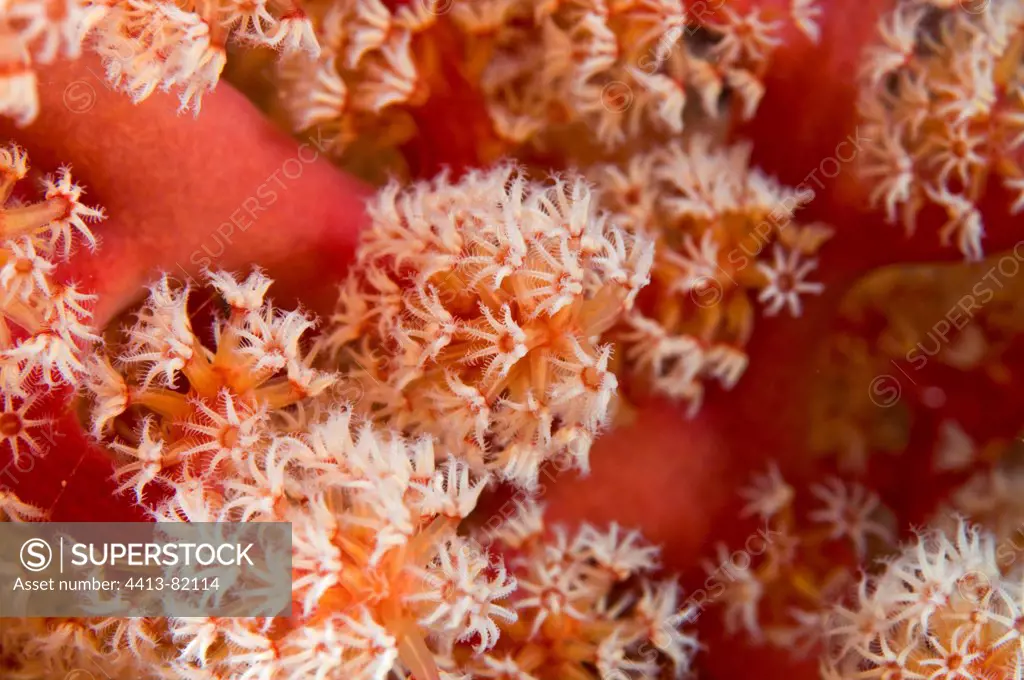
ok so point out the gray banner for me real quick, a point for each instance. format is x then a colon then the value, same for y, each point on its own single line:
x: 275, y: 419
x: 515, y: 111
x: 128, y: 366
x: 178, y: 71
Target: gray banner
x: 145, y: 569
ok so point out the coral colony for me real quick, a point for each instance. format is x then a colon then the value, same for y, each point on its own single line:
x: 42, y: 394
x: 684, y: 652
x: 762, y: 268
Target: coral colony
x: 476, y: 310
x: 45, y: 322
x: 615, y: 244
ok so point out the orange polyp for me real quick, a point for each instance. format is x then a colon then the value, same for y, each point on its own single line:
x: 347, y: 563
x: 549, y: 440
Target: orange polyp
x: 506, y: 343
x: 414, y: 653
x: 499, y: 386
x: 539, y: 370
x: 7, y: 182
x: 279, y: 394
x: 412, y: 647
x: 200, y: 372
x: 421, y: 545
x: 531, y: 656
x: 22, y: 315
x: 601, y: 313
x: 169, y: 404
x: 31, y: 218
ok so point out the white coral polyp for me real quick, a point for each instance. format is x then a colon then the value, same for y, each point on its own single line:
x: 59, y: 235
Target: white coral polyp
x: 144, y: 45
x: 726, y: 239
x: 377, y: 567
x: 941, y: 609
x: 44, y: 324
x: 942, y: 110
x: 475, y: 313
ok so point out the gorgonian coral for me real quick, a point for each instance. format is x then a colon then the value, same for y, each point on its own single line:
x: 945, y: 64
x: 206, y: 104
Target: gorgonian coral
x: 725, y: 235
x: 475, y: 313
x: 44, y: 322
x: 943, y: 108
x: 941, y: 609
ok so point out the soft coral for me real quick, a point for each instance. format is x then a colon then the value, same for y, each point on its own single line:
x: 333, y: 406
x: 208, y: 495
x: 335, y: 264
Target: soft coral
x: 166, y: 200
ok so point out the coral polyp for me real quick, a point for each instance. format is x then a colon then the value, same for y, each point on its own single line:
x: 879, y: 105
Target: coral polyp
x: 44, y: 322
x: 256, y: 370
x: 475, y: 313
x: 943, y: 106
x: 942, y: 608
x: 727, y: 240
